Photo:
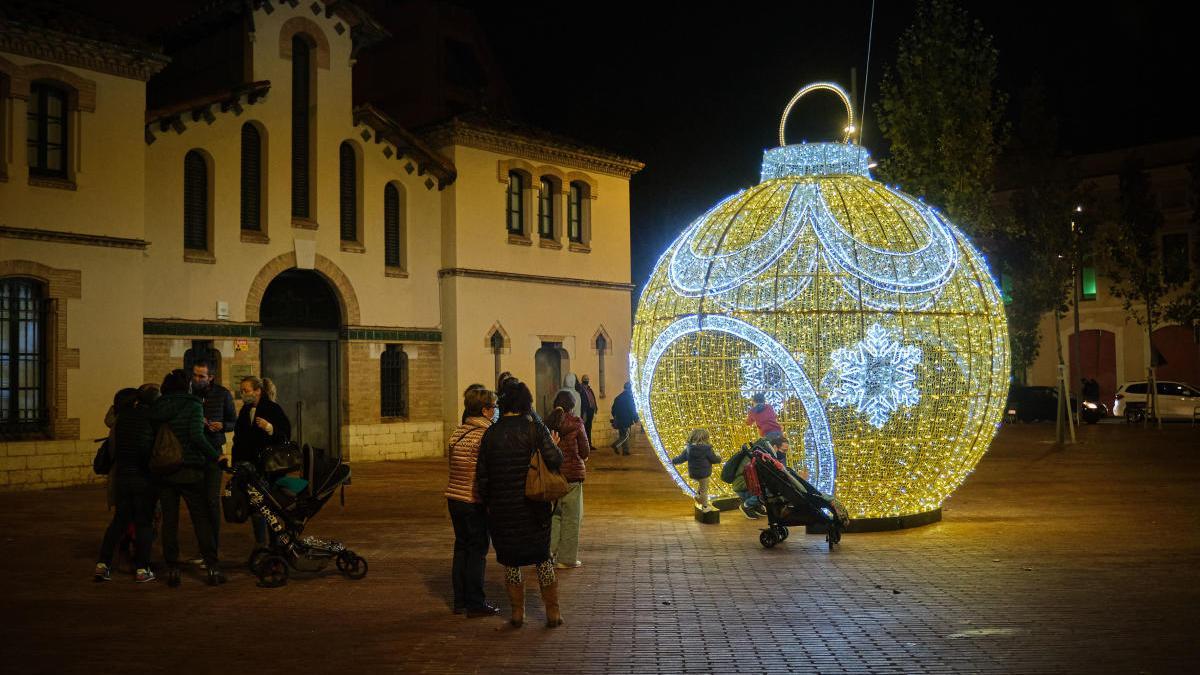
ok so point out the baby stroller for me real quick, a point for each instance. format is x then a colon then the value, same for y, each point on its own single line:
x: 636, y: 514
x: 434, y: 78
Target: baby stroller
x: 287, y: 503
x: 791, y: 500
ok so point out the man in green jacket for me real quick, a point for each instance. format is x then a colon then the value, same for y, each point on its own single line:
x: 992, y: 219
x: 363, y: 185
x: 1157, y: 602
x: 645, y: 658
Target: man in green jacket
x: 184, y: 415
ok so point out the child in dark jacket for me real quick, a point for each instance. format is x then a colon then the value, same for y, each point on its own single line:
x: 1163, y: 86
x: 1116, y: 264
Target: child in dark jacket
x: 700, y: 458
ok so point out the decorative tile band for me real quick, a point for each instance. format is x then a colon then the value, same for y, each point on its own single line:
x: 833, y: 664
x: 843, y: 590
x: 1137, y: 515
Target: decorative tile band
x: 254, y: 330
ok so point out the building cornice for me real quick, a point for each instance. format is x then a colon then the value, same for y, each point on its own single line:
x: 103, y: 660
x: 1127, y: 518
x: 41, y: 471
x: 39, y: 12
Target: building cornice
x: 386, y: 129
x: 460, y: 132
x: 71, y: 50
x: 7, y: 232
x: 534, y: 279
x: 177, y: 116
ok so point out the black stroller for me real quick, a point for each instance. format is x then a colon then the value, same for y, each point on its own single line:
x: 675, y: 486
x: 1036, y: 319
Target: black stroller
x: 791, y: 500
x: 287, y: 503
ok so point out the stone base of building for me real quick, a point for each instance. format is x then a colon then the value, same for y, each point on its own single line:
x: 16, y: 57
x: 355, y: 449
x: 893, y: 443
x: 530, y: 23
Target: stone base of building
x: 396, y: 440
x: 34, y: 465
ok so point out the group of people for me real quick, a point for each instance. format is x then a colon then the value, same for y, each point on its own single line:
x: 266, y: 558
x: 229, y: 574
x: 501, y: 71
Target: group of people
x: 489, y: 457
x: 199, y: 412
x: 701, y: 458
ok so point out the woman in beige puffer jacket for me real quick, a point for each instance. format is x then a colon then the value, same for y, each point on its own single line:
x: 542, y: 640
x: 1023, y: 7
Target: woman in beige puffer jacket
x: 466, y: 511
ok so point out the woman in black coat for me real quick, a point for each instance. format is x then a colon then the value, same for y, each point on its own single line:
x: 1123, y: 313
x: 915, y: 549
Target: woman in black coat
x: 520, y: 527
x: 261, y: 423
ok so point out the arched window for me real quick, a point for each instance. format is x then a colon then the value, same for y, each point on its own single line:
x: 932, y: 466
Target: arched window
x: 348, y: 191
x: 601, y: 347
x: 496, y: 342
x: 546, y: 208
x: 394, y: 227
x: 393, y: 379
x: 23, y: 360
x: 575, y: 211
x: 301, y: 126
x: 516, y: 204
x: 195, y: 201
x: 251, y: 178
x: 46, y: 137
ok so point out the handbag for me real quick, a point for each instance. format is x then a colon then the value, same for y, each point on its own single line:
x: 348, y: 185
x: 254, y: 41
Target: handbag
x: 543, y: 484
x: 103, y: 462
x: 166, y: 457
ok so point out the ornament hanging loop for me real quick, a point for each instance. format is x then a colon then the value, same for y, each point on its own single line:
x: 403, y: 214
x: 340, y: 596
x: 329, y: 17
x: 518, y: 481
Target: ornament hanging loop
x: 818, y: 86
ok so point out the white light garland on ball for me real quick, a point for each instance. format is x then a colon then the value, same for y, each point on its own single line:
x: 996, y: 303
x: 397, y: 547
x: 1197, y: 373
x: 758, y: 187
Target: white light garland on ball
x: 819, y: 274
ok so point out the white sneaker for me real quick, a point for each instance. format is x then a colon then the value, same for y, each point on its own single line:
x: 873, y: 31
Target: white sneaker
x: 145, y: 575
x: 102, y: 573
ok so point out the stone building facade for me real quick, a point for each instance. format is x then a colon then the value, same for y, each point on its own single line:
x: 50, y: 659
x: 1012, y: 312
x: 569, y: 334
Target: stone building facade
x: 226, y: 200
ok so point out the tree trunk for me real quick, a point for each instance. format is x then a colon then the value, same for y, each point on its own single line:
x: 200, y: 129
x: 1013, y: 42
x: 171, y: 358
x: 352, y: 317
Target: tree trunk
x: 1152, y: 380
x: 1064, y: 392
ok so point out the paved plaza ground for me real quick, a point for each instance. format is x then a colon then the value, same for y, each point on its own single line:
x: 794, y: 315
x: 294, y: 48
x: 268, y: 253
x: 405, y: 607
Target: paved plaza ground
x: 1076, y: 560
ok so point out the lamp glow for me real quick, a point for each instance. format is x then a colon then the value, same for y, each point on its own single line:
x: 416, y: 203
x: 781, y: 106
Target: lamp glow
x: 867, y: 319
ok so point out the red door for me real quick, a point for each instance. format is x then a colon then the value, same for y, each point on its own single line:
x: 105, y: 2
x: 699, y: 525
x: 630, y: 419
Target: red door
x: 1178, y: 347
x: 1098, y: 358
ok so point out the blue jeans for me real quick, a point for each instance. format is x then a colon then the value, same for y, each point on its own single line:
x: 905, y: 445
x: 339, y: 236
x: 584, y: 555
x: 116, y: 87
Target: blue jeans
x: 748, y: 500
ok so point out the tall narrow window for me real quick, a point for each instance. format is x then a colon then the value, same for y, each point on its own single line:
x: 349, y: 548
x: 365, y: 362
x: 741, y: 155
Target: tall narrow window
x: 23, y: 312
x: 1088, y: 283
x: 601, y: 346
x: 348, y: 191
x: 251, y: 178
x: 546, y: 209
x: 301, y: 126
x: 516, y: 206
x: 393, y: 379
x: 393, y: 227
x: 1175, y: 257
x: 575, y: 213
x: 497, y: 344
x: 195, y: 201
x: 46, y: 137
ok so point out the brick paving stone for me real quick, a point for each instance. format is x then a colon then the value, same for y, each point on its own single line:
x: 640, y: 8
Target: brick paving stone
x: 1048, y: 560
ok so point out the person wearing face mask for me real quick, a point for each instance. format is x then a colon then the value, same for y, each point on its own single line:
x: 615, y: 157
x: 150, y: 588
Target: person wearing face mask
x: 219, y: 416
x: 260, y: 424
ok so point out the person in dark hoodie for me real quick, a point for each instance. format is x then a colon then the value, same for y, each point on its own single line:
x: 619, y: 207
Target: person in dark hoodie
x: 700, y: 459
x: 134, y: 490
x: 184, y: 414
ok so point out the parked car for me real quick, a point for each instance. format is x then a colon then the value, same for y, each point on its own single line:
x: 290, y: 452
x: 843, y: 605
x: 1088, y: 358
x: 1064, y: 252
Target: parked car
x: 1030, y: 404
x: 1176, y: 400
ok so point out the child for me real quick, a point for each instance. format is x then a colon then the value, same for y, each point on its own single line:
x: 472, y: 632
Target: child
x: 700, y: 458
x: 763, y: 415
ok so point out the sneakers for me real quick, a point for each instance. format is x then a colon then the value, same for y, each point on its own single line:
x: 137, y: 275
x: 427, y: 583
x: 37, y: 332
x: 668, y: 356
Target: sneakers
x: 144, y: 575
x: 215, y: 576
x: 567, y: 566
x: 751, y: 513
x: 102, y: 573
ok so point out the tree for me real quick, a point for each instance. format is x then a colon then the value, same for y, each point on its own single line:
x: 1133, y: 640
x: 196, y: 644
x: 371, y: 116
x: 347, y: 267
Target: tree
x: 941, y: 114
x: 1185, y: 309
x: 1134, y: 259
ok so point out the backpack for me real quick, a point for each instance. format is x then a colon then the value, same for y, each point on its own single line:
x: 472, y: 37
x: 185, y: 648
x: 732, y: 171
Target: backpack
x: 730, y: 470
x: 166, y: 457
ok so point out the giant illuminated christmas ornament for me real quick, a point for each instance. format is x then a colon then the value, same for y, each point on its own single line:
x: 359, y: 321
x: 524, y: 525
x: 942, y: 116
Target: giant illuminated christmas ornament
x: 867, y: 319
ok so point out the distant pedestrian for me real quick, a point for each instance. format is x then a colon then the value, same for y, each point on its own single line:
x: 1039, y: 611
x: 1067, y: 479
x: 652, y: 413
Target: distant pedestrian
x: 762, y: 416
x: 700, y: 459
x: 570, y: 387
x: 587, y: 403
x: 520, y: 528
x: 568, y: 510
x: 467, y: 513
x: 624, y: 416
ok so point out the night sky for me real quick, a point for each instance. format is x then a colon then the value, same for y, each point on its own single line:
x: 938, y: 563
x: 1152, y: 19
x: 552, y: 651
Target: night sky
x: 695, y: 90
x: 696, y: 93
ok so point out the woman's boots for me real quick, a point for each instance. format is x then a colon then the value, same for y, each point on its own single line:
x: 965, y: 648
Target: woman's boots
x: 516, y: 598
x: 550, y: 599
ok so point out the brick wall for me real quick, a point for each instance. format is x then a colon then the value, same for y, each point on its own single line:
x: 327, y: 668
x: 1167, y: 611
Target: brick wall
x: 161, y: 355
x: 26, y: 465
x: 371, y: 437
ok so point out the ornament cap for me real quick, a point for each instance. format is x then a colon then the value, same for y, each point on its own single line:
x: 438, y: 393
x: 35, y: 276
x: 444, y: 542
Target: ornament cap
x: 849, y: 129
x: 816, y: 159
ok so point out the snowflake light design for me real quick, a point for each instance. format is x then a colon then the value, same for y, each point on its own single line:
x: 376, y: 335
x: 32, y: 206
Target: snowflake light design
x: 763, y: 376
x: 875, y: 376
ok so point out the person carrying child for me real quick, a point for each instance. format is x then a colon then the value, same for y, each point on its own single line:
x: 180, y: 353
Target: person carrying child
x: 700, y: 458
x: 762, y: 415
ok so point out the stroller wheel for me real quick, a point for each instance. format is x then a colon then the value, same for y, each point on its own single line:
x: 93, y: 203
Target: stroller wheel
x: 272, y: 571
x: 256, y: 558
x: 354, y: 567
x: 781, y: 531
x: 833, y: 536
x: 343, y: 560
x: 768, y: 538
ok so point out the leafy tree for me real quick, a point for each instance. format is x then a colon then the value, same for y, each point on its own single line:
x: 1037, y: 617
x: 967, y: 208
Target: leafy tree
x: 941, y: 114
x: 1185, y: 309
x: 1134, y: 260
